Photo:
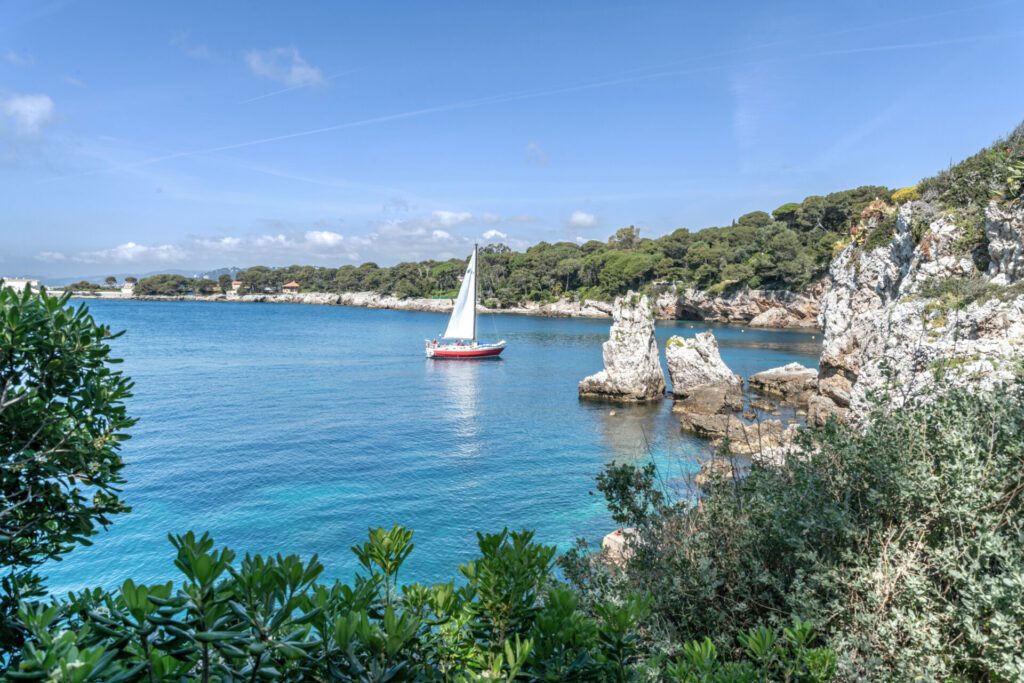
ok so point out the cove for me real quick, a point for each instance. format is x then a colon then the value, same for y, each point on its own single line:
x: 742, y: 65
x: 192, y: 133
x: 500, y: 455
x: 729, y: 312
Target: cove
x: 294, y: 428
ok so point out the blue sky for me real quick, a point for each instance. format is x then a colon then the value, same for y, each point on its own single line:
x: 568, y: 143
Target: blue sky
x: 146, y: 136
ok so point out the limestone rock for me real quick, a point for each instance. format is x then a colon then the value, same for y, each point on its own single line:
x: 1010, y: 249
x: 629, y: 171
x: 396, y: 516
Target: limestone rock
x: 1004, y: 229
x: 743, y: 438
x: 776, y: 317
x: 801, y: 309
x: 793, y: 383
x: 886, y: 331
x: 632, y: 367
x: 616, y: 546
x: 711, y: 399
x: 696, y: 362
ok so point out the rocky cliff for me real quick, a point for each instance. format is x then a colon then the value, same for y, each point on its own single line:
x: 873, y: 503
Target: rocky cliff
x: 943, y: 297
x: 755, y: 307
x: 632, y: 367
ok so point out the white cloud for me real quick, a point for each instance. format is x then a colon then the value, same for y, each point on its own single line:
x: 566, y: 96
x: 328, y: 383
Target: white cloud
x: 363, y: 241
x: 449, y: 219
x: 220, y: 244
x: 18, y: 58
x: 183, y: 41
x: 535, y: 155
x: 440, y: 235
x: 582, y: 219
x: 272, y: 241
x: 285, y: 65
x: 495, y: 235
x: 51, y: 256
x: 580, y: 240
x: 131, y: 252
x: 324, y: 238
x: 77, y: 82
x: 28, y: 112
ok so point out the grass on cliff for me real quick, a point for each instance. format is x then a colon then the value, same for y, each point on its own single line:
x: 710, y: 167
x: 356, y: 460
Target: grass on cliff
x: 994, y: 173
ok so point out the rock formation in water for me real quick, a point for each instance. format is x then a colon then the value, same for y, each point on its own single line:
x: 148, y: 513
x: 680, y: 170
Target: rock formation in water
x: 632, y: 367
x: 701, y: 381
x: 943, y: 296
x: 792, y: 383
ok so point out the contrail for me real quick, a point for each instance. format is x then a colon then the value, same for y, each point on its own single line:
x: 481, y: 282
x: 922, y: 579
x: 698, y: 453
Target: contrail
x: 517, y: 96
x: 295, y: 87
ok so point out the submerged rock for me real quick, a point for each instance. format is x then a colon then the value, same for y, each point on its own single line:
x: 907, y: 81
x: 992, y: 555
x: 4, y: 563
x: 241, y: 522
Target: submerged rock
x: 743, y: 438
x: 793, y: 383
x: 632, y: 367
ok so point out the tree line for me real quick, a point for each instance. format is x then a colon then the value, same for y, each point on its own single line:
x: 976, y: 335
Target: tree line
x: 788, y: 248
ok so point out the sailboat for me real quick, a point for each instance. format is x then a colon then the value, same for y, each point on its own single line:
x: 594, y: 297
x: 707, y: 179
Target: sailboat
x: 459, y: 339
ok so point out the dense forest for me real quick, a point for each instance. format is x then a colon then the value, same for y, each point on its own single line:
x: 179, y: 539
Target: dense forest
x: 786, y: 249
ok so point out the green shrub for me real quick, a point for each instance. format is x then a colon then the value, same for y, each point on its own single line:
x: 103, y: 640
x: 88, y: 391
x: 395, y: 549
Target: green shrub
x: 901, y: 544
x: 979, y: 179
x: 62, y: 423
x: 268, y: 618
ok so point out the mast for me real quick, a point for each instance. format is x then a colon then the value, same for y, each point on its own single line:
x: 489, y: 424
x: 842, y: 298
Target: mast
x: 476, y: 280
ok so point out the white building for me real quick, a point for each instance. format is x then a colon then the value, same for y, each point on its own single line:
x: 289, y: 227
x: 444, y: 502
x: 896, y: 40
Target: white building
x: 128, y: 288
x: 18, y: 284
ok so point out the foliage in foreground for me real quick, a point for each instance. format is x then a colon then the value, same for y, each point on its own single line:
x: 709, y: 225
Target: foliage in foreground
x: 62, y: 422
x: 903, y: 545
x: 269, y: 619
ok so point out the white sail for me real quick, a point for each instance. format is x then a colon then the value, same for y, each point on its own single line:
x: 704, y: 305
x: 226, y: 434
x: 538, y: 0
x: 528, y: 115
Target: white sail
x: 463, y: 321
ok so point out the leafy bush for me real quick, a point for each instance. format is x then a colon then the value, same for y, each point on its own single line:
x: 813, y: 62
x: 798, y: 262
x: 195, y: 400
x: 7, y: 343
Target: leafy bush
x: 979, y: 179
x: 62, y: 423
x: 268, y: 618
x: 901, y: 544
x: 905, y: 194
x: 765, y: 657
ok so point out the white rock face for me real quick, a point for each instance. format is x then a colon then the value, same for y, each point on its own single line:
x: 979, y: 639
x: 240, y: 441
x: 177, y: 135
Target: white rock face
x: 793, y: 383
x: 632, y: 367
x: 695, y: 362
x: 771, y: 308
x: 1004, y: 230
x: 885, y: 331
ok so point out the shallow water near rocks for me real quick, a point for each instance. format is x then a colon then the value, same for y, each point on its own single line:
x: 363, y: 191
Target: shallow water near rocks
x: 294, y: 428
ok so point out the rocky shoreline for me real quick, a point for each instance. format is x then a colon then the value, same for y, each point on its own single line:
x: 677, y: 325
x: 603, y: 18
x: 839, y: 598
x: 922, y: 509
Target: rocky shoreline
x: 756, y: 308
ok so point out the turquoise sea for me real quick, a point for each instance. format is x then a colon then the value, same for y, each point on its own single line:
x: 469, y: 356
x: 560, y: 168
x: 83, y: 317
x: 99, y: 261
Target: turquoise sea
x: 294, y: 428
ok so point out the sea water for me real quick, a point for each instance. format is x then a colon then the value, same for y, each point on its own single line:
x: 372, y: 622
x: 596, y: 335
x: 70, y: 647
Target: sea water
x: 294, y: 428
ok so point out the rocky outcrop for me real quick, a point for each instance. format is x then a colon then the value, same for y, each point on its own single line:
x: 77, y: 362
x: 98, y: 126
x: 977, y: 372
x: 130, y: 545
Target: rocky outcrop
x: 1004, y: 229
x: 632, y: 367
x: 899, y: 315
x: 617, y: 546
x: 744, y: 438
x: 695, y: 362
x: 792, y: 383
x: 770, y: 308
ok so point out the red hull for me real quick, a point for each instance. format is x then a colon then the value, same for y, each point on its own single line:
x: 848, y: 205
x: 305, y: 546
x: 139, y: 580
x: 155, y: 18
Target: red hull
x: 467, y: 352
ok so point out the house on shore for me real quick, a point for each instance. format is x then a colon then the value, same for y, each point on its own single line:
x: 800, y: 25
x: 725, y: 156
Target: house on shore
x: 128, y: 288
x: 18, y: 284
x: 235, y: 286
x: 291, y: 287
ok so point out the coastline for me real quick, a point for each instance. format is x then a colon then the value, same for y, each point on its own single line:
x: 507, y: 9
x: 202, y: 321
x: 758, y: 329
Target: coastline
x: 754, y: 308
